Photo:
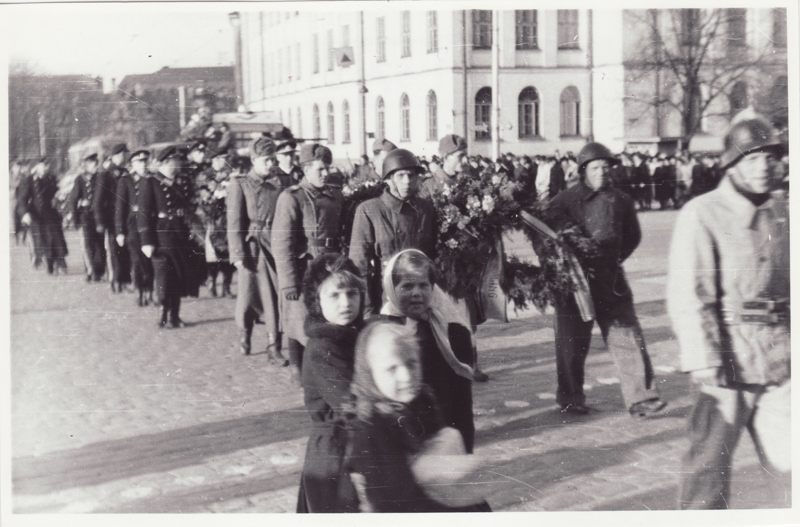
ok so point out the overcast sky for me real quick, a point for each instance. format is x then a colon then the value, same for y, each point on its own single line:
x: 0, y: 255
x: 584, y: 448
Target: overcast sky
x: 114, y: 41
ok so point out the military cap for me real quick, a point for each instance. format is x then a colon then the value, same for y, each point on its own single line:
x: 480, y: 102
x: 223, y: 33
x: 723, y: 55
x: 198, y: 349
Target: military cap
x: 198, y: 145
x: 312, y: 151
x: 262, y: 147
x: 140, y: 155
x: 383, y: 144
x: 118, y: 148
x: 168, y: 153
x: 91, y: 158
x: 451, y: 143
x: 285, y: 141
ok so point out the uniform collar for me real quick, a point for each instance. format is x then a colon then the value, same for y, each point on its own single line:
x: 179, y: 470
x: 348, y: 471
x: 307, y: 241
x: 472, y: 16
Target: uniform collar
x: 270, y: 179
x: 396, y: 204
x: 442, y: 177
x: 747, y: 211
x: 314, y: 191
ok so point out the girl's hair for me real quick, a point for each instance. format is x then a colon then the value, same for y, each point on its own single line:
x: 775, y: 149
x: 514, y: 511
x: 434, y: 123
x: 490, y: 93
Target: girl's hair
x: 413, y: 261
x: 368, y: 398
x: 324, y: 267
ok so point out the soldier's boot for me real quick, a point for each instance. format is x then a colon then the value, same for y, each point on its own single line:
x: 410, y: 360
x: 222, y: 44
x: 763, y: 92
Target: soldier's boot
x: 227, y: 278
x: 140, y: 301
x: 174, y: 314
x: 274, y: 355
x: 226, y: 291
x: 164, y: 315
x: 244, y: 340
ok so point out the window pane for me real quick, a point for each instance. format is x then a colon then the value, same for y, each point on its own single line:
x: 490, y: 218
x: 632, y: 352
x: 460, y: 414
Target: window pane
x: 568, y: 29
x: 381, y: 31
x: 779, y: 27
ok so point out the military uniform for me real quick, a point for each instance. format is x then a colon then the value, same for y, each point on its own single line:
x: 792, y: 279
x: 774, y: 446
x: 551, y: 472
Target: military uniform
x: 36, y: 195
x: 435, y: 184
x: 384, y: 226
x: 129, y: 188
x: 307, y: 224
x: 178, y: 262
x: 250, y: 211
x: 81, y: 206
x: 105, y: 200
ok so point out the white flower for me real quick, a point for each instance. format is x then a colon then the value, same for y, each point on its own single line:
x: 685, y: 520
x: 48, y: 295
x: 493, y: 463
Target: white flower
x: 451, y: 243
x: 446, y: 191
x: 496, y: 180
x: 462, y: 222
x: 347, y: 191
x: 488, y: 203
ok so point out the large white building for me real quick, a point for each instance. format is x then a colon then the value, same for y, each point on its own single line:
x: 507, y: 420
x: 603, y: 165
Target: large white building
x: 413, y: 75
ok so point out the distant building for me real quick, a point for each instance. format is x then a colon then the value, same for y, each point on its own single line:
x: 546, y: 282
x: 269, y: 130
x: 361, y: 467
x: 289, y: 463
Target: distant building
x: 151, y: 112
x: 566, y: 77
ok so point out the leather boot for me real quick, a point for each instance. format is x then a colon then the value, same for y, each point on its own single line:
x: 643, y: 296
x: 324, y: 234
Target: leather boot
x: 174, y: 317
x: 244, y: 340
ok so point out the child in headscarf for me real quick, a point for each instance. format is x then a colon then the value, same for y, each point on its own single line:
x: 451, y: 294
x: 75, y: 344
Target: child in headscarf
x: 402, y: 456
x: 445, y: 341
x: 334, y: 297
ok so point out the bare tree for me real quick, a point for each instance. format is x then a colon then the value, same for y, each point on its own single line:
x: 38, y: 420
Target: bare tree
x: 697, y: 56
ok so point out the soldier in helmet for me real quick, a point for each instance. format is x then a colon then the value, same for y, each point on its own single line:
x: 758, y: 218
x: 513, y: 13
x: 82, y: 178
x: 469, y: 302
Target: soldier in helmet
x: 306, y: 225
x: 728, y: 297
x: 453, y: 152
x: 396, y: 220
x: 250, y: 202
x: 608, y: 216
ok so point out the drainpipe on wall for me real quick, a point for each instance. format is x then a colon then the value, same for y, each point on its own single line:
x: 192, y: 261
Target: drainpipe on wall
x: 363, y: 91
x: 464, y: 76
x: 237, y: 37
x: 494, y: 130
x: 590, y: 109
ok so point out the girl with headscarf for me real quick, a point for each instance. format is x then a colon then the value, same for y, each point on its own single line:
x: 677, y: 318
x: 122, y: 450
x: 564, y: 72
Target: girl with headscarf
x: 444, y: 337
x: 333, y: 293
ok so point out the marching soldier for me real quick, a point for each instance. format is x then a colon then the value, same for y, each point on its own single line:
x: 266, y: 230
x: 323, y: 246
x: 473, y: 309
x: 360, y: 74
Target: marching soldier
x: 105, y: 201
x: 81, y: 206
x: 129, y: 187
x: 35, y: 205
x: 306, y: 225
x: 397, y: 219
x: 608, y: 216
x: 286, y: 146
x: 178, y: 264
x: 728, y: 297
x: 251, y: 208
x: 197, y: 165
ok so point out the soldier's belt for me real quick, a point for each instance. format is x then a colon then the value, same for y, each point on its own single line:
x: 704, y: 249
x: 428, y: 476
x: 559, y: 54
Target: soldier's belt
x: 760, y: 312
x: 177, y: 214
x: 327, y: 243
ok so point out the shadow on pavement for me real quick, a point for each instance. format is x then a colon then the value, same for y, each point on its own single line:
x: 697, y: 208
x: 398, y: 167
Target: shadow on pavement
x: 124, y: 458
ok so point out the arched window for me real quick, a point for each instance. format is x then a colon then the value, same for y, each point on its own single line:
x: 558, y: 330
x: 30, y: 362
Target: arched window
x: 315, y: 122
x: 346, y: 117
x: 570, y: 111
x: 528, y: 112
x: 405, y: 118
x: 299, y: 130
x: 380, y: 118
x: 433, y: 128
x: 331, y: 125
x: 738, y: 98
x: 483, y: 113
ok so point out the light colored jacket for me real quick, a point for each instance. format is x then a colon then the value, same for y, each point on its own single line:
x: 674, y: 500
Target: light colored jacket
x: 725, y: 252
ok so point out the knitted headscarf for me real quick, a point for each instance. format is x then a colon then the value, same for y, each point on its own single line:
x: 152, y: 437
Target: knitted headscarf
x: 440, y: 313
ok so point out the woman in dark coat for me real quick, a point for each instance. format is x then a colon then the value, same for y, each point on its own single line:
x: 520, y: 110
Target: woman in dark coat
x: 163, y: 220
x: 334, y: 297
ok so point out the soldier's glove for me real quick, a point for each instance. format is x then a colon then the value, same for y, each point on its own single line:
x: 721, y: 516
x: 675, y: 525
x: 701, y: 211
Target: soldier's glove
x: 26, y: 219
x: 292, y: 294
x: 713, y: 377
x: 120, y: 240
x: 148, y: 250
x: 100, y: 229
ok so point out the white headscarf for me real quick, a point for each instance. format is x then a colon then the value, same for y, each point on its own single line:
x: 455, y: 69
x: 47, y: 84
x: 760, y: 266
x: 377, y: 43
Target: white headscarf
x: 440, y: 313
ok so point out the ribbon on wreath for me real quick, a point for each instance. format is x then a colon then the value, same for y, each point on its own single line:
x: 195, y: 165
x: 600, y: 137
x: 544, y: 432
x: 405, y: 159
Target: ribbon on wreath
x: 492, y: 299
x: 582, y: 294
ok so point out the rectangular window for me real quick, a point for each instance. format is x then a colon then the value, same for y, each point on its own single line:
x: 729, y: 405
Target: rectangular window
x: 526, y: 30
x: 481, y: 29
x: 779, y: 27
x: 737, y: 29
x: 568, y: 29
x: 433, y: 33
x: 345, y: 36
x: 406, y: 34
x: 330, y: 50
x: 380, y: 53
x: 316, y: 53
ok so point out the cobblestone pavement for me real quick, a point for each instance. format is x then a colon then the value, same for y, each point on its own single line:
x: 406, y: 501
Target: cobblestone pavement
x: 111, y: 414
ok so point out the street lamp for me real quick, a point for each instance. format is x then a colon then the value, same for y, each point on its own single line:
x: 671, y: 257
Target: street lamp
x: 236, y: 22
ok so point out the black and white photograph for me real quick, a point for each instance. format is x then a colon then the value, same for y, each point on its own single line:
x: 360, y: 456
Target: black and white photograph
x: 353, y: 257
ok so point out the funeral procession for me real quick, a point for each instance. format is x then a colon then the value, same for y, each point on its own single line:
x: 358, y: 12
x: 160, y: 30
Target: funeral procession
x: 399, y: 257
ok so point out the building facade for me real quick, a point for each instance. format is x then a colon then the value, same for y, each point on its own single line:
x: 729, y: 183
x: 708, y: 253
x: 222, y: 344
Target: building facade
x: 565, y: 76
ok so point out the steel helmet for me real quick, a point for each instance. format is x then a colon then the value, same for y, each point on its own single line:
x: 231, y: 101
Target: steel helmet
x: 400, y: 159
x: 592, y: 151
x: 748, y: 136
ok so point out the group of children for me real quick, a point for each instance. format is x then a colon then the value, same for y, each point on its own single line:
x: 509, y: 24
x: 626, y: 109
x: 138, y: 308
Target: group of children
x: 390, y: 399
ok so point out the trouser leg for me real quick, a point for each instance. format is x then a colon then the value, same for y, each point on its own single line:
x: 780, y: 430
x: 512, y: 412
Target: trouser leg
x: 266, y: 281
x: 771, y: 428
x: 295, y: 353
x: 85, y: 251
x: 623, y: 336
x: 714, y: 427
x: 247, y: 302
x: 573, y: 337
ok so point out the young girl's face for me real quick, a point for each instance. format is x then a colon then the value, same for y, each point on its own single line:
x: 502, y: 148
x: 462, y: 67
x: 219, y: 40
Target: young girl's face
x: 340, y: 304
x: 395, y: 368
x: 414, y: 291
